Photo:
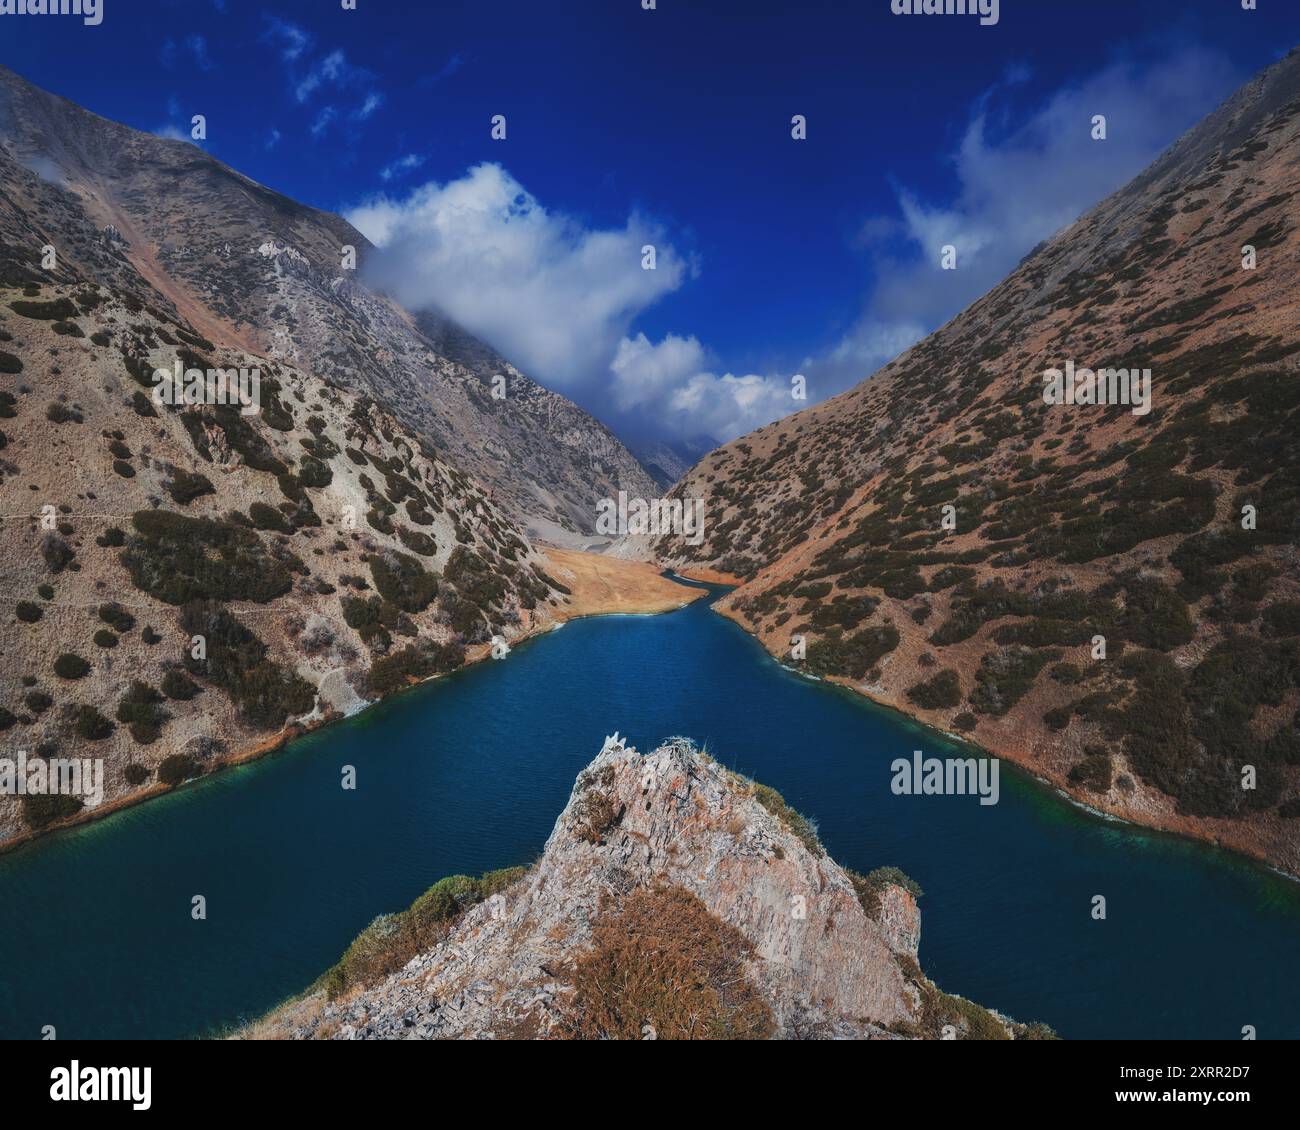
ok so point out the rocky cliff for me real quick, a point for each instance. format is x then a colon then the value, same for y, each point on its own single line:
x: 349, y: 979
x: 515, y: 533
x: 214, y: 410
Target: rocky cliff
x: 674, y: 900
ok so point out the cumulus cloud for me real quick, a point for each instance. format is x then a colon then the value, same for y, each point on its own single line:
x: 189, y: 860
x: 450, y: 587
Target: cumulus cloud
x: 560, y: 299
x: 675, y: 383
x: 553, y: 295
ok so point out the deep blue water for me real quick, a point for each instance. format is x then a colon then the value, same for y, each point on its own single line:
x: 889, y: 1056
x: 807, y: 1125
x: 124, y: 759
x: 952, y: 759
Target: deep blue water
x: 468, y: 774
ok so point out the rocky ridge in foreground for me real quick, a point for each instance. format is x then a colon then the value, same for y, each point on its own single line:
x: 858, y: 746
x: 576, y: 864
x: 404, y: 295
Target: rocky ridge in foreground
x: 674, y: 899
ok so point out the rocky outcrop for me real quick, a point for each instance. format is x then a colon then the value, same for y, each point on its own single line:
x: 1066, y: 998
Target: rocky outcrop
x: 821, y: 952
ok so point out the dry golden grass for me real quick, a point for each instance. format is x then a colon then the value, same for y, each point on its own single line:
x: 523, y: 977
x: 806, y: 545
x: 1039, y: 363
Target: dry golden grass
x: 660, y: 966
x: 602, y: 585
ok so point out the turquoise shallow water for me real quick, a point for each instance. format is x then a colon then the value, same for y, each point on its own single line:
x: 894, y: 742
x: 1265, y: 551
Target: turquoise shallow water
x: 468, y: 774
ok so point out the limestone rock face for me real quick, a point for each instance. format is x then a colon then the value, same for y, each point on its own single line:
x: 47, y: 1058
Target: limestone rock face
x: 900, y: 920
x: 825, y: 968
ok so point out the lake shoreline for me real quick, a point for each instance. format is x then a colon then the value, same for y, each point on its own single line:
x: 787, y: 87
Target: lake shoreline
x: 1183, y: 827
x: 281, y: 740
x: 619, y: 588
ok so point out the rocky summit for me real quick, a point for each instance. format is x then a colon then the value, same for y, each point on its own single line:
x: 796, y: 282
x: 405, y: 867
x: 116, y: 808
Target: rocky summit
x: 674, y: 899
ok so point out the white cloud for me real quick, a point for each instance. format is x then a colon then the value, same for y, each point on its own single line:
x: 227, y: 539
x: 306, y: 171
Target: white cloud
x: 331, y: 70
x: 673, y: 382
x: 1015, y: 188
x: 369, y: 106
x: 293, y: 41
x: 321, y: 124
x: 553, y: 295
x: 403, y: 164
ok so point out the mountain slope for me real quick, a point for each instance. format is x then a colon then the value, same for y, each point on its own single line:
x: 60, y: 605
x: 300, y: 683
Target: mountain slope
x: 1070, y: 522
x: 320, y: 553
x: 673, y: 900
x: 252, y: 269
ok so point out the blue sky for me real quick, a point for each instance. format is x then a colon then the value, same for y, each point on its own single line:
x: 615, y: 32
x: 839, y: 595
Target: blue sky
x: 672, y: 127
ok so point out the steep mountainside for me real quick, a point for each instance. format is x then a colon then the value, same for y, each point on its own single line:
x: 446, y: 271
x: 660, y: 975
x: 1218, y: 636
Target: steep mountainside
x: 322, y: 553
x: 253, y: 270
x: 946, y: 541
x: 667, y: 461
x: 674, y: 900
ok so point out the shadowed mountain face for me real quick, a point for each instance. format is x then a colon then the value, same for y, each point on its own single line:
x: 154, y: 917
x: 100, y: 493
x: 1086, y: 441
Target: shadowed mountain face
x: 253, y: 270
x: 1105, y: 592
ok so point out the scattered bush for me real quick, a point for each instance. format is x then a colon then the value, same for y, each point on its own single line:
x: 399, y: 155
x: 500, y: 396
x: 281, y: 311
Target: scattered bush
x: 43, y: 809
x: 69, y: 666
x: 938, y: 693
x: 178, y: 768
x: 179, y: 686
x: 391, y: 940
x: 90, y: 724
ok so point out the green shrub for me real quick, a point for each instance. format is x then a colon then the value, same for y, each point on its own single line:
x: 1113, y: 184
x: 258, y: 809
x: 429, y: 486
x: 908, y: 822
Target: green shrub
x: 1093, y: 773
x: 9, y: 363
x: 313, y: 473
x: 58, y: 413
x: 69, y: 666
x: 53, y: 310
x: 401, y: 579
x: 178, y: 768
x: 415, y: 662
x: 179, y: 559
x: 266, y: 517
x: 265, y: 693
x: 938, y: 693
x: 90, y: 724
x: 853, y: 656
x: 796, y: 822
x: 43, y: 809
x: 105, y: 638
x: 28, y: 612
x: 417, y: 542
x: 179, y: 686
x: 185, y: 486
x: 117, y: 616
x: 1282, y: 618
x: 391, y: 940
x: 1003, y: 679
